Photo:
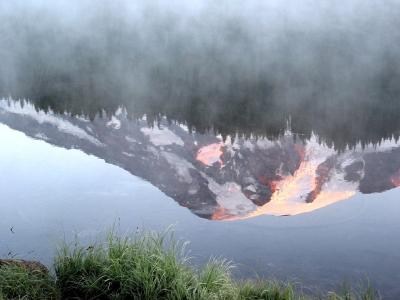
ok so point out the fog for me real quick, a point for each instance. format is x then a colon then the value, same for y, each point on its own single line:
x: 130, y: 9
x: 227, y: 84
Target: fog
x: 185, y: 59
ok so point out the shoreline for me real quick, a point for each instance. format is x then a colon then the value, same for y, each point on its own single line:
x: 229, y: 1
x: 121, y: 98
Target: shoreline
x: 147, y: 265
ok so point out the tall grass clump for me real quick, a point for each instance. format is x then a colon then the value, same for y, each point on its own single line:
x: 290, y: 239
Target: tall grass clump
x: 17, y: 282
x: 150, y: 266
x: 146, y: 266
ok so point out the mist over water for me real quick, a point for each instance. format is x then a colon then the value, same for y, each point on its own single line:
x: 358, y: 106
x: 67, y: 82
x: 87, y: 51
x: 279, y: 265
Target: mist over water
x: 228, y: 66
x: 259, y: 110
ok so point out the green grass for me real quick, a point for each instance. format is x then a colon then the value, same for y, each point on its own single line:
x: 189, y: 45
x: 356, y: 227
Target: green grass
x: 149, y: 266
x: 145, y: 266
x: 17, y: 282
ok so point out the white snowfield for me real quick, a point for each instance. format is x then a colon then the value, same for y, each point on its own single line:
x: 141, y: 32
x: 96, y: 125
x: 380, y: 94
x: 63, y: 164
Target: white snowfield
x: 28, y: 110
x: 161, y: 136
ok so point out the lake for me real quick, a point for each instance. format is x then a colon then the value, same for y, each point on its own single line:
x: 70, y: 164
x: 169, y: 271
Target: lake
x: 264, y: 132
x: 288, y: 208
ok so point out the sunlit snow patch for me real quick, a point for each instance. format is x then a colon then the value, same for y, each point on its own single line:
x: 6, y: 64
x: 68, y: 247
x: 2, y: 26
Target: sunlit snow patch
x: 161, y: 136
x: 41, y: 117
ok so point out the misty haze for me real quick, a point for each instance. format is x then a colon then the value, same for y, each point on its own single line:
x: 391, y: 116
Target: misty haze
x: 266, y: 133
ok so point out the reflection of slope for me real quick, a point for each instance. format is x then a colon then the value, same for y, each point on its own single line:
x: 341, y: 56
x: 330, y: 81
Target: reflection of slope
x: 220, y: 180
x: 42, y: 117
x: 161, y: 136
x: 210, y: 154
x: 333, y: 191
x: 290, y: 193
x: 232, y: 202
x: 395, y: 178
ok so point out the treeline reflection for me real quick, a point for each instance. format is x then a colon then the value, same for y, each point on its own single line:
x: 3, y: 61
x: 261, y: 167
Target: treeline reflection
x: 336, y: 124
x: 212, y: 71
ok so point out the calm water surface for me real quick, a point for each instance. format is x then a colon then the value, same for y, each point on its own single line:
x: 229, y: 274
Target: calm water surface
x: 266, y: 132
x: 289, y: 208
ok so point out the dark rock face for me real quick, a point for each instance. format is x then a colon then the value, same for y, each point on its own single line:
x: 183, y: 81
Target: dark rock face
x: 381, y: 171
x: 353, y: 171
x: 323, y: 172
x: 213, y: 178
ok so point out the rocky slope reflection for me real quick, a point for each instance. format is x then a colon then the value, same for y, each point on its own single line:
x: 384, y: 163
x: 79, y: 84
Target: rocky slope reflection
x: 220, y: 180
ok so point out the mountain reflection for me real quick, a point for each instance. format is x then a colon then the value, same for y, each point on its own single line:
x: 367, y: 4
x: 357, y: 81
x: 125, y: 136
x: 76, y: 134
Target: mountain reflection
x: 222, y: 178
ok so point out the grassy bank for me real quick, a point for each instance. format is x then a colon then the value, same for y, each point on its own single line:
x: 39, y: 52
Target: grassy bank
x: 147, y: 266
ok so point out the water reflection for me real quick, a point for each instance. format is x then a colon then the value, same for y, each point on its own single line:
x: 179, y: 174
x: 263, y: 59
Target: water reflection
x: 217, y: 178
x: 216, y: 69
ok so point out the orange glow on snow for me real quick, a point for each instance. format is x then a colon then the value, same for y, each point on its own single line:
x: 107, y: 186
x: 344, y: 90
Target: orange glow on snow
x: 286, y: 208
x: 210, y: 154
x: 395, y: 179
x: 222, y: 214
x: 289, y: 195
